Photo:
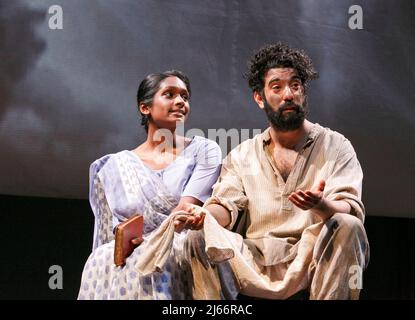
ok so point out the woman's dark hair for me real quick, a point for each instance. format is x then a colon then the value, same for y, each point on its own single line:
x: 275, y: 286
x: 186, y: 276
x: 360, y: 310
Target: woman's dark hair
x: 279, y: 55
x: 149, y: 87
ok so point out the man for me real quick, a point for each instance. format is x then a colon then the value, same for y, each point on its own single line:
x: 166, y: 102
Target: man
x: 298, y: 185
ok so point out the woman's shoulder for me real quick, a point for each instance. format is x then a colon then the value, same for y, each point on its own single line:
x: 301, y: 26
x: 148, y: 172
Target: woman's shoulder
x: 108, y: 160
x: 205, y: 148
x: 205, y: 143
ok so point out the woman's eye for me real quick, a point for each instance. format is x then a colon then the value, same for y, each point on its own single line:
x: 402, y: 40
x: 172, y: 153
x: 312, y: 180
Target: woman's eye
x: 168, y: 94
x: 185, y: 97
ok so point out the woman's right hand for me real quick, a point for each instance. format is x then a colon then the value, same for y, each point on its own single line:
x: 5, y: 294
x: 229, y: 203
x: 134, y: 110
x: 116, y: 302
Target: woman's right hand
x: 188, y: 218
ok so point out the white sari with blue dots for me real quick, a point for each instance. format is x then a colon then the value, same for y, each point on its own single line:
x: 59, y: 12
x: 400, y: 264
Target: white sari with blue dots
x: 120, y: 186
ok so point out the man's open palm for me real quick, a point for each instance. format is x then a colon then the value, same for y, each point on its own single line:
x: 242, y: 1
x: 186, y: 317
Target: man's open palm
x: 308, y: 199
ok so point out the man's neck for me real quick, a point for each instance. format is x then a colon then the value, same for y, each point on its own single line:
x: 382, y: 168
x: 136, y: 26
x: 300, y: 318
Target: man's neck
x: 292, y: 139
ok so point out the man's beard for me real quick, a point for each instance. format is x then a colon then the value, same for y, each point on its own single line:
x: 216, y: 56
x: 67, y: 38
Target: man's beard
x: 286, y: 121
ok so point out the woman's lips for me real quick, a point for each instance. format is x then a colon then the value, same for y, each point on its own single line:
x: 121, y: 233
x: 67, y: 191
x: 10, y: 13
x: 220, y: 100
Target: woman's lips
x: 177, y: 113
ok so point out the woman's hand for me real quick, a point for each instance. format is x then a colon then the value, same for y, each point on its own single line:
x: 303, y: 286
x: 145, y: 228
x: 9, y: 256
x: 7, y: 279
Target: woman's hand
x: 188, y: 218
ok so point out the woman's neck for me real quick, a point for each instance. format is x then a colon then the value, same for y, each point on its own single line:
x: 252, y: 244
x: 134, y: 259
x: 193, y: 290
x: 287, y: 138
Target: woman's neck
x: 167, y: 137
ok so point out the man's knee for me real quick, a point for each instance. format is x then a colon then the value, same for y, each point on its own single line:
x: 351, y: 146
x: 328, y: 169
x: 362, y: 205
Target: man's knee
x: 352, y: 232
x: 347, y: 223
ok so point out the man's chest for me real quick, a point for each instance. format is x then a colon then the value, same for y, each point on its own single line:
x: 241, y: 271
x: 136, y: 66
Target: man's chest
x: 284, y: 160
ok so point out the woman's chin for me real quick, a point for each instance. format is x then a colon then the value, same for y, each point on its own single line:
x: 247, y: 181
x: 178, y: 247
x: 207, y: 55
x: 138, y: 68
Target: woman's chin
x: 179, y: 120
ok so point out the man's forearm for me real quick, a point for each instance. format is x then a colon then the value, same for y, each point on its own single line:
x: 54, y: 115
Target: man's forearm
x: 221, y: 214
x: 327, y: 208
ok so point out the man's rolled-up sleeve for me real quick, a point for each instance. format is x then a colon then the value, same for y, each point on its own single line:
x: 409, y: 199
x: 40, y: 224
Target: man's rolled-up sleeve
x: 228, y: 191
x: 345, y: 181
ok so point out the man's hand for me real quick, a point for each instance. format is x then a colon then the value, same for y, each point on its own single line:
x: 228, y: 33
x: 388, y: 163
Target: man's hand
x: 188, y: 218
x: 310, y: 199
x: 314, y: 201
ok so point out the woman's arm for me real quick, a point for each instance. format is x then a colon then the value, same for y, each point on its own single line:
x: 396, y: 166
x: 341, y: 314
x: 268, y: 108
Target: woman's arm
x: 185, y: 200
x: 199, y: 187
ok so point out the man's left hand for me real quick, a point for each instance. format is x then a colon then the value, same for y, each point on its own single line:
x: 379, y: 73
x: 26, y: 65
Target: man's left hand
x: 309, y: 199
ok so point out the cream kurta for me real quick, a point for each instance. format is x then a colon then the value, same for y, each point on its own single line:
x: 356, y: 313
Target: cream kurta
x: 250, y: 181
x: 285, y: 246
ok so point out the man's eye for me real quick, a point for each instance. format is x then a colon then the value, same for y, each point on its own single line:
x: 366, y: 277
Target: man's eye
x: 276, y: 87
x: 168, y: 94
x: 185, y: 97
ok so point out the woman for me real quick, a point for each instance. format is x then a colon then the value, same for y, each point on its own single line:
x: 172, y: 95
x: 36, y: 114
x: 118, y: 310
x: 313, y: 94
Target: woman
x: 165, y: 174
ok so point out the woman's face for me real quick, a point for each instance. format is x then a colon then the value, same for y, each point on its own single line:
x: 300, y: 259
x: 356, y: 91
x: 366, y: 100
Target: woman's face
x: 170, y: 104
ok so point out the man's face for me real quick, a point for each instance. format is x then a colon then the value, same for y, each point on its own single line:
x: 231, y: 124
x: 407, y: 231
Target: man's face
x: 283, y: 99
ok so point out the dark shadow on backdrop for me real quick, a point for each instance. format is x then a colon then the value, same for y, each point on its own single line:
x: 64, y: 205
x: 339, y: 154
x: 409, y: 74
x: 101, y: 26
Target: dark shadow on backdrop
x: 69, y: 95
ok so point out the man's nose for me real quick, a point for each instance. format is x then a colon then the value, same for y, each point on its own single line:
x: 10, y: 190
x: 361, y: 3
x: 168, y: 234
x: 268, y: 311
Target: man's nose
x: 288, y: 94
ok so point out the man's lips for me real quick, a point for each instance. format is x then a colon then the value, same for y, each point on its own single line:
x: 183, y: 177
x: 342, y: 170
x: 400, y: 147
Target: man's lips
x: 289, y: 109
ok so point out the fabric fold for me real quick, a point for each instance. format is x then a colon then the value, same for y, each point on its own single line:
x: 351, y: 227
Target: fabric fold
x: 156, y: 250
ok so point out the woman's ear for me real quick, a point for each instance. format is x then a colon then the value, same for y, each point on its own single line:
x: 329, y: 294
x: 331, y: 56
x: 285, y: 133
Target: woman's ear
x: 144, y: 109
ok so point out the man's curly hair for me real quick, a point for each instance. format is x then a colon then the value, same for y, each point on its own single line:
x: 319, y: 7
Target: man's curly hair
x: 279, y: 55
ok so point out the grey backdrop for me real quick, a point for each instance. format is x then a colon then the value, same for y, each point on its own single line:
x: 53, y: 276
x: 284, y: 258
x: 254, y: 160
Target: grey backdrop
x: 67, y: 96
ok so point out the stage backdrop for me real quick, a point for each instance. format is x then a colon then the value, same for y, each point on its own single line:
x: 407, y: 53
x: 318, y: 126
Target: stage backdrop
x: 67, y: 96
